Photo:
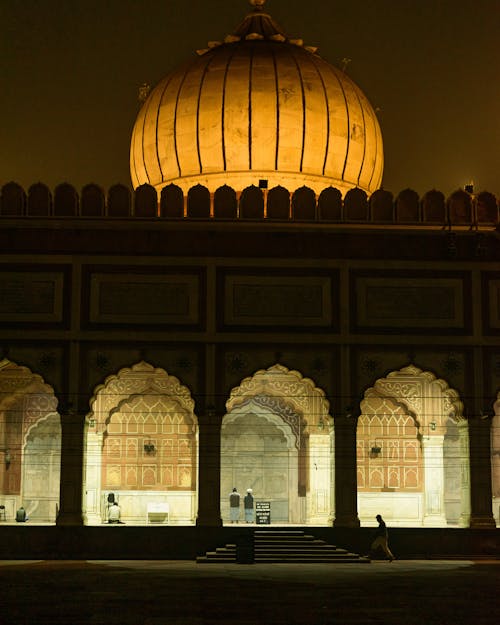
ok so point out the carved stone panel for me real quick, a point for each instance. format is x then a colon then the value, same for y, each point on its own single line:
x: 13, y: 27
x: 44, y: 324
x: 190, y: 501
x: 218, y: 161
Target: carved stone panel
x: 493, y: 299
x: 278, y: 301
x: 144, y: 299
x: 412, y: 303
x: 31, y: 296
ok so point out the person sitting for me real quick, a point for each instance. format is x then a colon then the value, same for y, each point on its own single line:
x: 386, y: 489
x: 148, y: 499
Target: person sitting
x: 114, y: 513
x: 21, y: 515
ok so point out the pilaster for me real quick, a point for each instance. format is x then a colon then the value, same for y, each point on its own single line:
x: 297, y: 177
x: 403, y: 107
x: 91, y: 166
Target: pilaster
x: 346, y: 487
x: 434, y: 513
x: 209, y: 470
x: 480, y: 473
x: 70, y: 506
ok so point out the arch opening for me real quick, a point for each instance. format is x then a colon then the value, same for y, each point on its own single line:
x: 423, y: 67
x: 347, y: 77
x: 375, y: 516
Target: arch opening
x: 30, y: 445
x: 277, y: 438
x: 141, y: 449
x: 495, y: 461
x: 413, y: 452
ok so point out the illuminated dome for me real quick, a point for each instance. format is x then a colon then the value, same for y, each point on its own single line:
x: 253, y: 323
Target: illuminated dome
x: 258, y: 106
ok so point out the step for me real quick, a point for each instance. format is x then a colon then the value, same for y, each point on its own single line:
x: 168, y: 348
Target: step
x: 354, y: 560
x: 281, y: 549
x: 274, y: 546
x: 287, y: 539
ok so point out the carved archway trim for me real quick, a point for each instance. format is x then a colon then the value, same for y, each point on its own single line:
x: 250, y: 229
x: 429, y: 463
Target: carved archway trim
x: 406, y: 387
x: 34, y: 424
x: 496, y: 405
x: 38, y: 399
x: 270, y: 415
x: 277, y: 381
x: 141, y: 378
x: 18, y: 379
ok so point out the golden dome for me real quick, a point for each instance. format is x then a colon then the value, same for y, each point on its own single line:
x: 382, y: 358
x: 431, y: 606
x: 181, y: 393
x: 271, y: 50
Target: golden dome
x: 257, y: 106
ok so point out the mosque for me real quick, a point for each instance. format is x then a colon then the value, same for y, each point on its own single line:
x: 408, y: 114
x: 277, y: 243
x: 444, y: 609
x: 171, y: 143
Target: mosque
x: 258, y: 312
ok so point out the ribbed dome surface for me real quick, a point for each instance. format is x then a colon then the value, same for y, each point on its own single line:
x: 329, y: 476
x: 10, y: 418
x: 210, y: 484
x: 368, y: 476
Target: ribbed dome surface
x: 257, y: 106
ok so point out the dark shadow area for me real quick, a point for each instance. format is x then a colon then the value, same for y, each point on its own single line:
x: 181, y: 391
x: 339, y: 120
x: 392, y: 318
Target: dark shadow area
x: 171, y: 592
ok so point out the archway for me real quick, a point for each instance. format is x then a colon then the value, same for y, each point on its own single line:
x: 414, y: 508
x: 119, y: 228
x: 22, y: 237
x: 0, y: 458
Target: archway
x: 278, y: 439
x: 141, y: 448
x: 30, y: 444
x: 495, y: 461
x: 413, y: 452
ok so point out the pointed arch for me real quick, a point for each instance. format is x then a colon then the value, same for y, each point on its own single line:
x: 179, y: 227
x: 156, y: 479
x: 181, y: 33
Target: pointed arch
x: 277, y: 381
x: 495, y: 459
x: 142, y: 445
x: 30, y: 443
x: 285, y: 433
x: 421, y: 451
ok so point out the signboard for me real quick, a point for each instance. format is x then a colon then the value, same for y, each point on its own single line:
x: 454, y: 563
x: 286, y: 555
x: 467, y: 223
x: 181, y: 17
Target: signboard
x: 263, y: 512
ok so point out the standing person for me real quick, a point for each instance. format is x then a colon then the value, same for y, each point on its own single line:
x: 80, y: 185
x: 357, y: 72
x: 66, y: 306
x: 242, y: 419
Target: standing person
x: 234, y: 506
x: 381, y: 538
x: 248, y: 505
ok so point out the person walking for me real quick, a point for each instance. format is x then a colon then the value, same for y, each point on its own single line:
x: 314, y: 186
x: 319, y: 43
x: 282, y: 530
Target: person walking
x: 381, y: 538
x: 248, y: 505
x: 234, y: 506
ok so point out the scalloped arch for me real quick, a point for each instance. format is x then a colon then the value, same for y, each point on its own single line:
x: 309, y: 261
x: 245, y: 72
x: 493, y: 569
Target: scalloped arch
x: 136, y: 380
x: 404, y: 386
x: 306, y: 398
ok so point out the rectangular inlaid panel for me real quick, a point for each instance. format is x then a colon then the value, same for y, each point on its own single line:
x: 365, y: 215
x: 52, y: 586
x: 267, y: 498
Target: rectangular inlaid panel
x: 394, y: 302
x: 493, y: 298
x: 144, y: 299
x: 277, y: 300
x: 31, y: 296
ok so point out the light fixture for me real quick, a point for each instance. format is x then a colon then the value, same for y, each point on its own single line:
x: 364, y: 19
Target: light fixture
x: 149, y: 447
x: 321, y: 424
x: 7, y: 457
x: 433, y: 425
x: 376, y: 449
x: 91, y: 422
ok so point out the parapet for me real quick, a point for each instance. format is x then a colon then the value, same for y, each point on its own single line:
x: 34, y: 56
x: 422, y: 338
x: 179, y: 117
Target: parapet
x: 460, y: 209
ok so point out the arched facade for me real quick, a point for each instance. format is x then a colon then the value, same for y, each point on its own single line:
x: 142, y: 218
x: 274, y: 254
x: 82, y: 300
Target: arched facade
x: 142, y: 446
x: 277, y: 438
x: 495, y: 461
x: 413, y: 452
x: 30, y: 444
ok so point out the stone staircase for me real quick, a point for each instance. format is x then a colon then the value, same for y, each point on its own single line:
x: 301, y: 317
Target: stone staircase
x: 282, y: 546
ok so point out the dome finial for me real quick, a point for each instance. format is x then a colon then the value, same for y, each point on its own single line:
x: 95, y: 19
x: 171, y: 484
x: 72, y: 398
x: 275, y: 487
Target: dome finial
x: 258, y: 4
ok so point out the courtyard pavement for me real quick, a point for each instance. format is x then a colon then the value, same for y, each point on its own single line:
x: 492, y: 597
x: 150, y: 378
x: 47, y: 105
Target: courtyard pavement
x: 159, y: 592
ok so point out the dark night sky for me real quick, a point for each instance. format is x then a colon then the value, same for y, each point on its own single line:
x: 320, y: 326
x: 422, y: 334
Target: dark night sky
x: 70, y: 72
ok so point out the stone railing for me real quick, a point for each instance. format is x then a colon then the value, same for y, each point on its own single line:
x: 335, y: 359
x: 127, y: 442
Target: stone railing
x: 461, y: 208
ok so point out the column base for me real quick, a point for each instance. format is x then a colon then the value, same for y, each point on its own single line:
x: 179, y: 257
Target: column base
x: 482, y: 521
x: 346, y: 520
x: 69, y: 518
x: 435, y: 520
x: 208, y: 521
x: 464, y: 520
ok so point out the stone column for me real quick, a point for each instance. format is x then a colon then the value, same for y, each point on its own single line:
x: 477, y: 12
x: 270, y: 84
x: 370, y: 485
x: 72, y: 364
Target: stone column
x: 346, y: 486
x: 209, y: 470
x: 463, y: 432
x: 70, y: 499
x: 480, y: 473
x: 92, y: 508
x: 320, y: 476
x: 434, y: 513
